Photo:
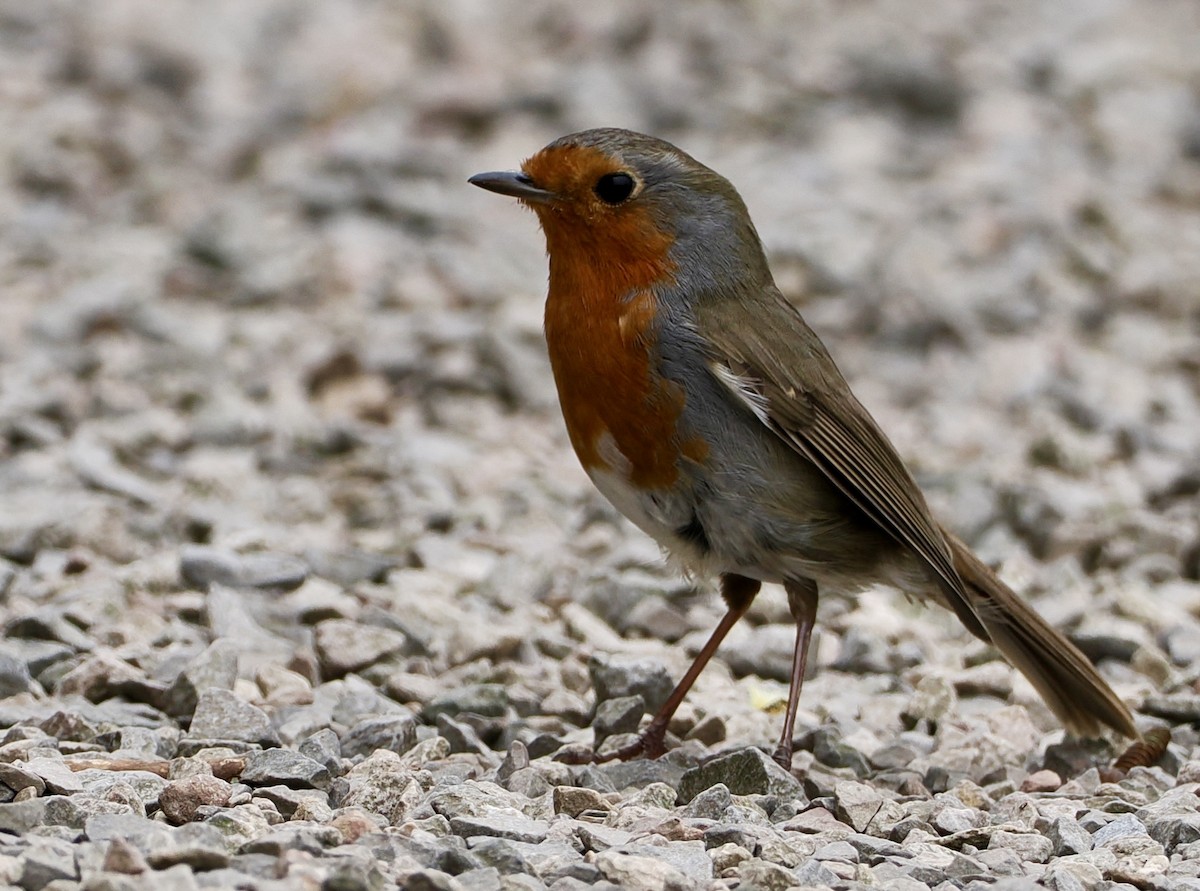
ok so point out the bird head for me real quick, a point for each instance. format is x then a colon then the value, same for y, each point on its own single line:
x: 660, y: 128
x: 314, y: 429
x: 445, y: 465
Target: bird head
x: 618, y: 199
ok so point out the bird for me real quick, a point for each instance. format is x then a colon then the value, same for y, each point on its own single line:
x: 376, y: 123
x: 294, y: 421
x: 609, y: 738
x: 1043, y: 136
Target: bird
x: 707, y: 411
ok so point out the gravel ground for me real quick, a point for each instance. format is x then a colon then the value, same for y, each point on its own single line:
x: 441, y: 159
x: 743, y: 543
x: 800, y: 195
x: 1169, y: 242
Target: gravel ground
x: 290, y: 531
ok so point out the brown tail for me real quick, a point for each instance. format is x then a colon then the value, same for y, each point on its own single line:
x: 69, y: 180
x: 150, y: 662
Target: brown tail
x: 1064, y: 677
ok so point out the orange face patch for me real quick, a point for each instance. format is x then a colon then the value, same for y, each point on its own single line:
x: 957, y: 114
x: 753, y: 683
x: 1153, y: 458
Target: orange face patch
x: 600, y: 312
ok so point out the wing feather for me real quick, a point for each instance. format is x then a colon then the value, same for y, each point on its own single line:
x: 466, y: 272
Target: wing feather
x: 809, y: 405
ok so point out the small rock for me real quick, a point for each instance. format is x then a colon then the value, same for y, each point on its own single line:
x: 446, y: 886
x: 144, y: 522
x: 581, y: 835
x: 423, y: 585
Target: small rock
x: 348, y: 568
x: 640, y: 773
x: 837, y: 850
x: 640, y: 873
x: 324, y: 748
x: 573, y: 801
x: 832, y: 751
x: 122, y: 857
x: 289, y: 801
x: 1068, y: 837
x: 765, y: 651
x: 862, y: 653
x: 744, y: 772
x: 711, y: 803
x: 619, y: 715
x: 933, y: 699
x: 486, y: 700
x: 1179, y: 708
x: 98, y: 467
x: 1074, y: 756
x: 200, y: 846
x: 45, y: 860
x: 55, y: 775
x: 500, y: 854
x: 17, y: 778
x: 220, y: 714
x: 201, y: 566
x: 1029, y: 847
x: 528, y: 782
x: 216, y: 667
x: 344, y: 646
x: 620, y: 676
x: 728, y: 856
x: 814, y: 874
x: 393, y: 733
x: 858, y: 804
x: 949, y: 820
x: 709, y: 730
x: 461, y: 736
x: 1041, y: 781
x: 816, y: 820
x: 762, y: 874
x: 180, y: 799
x: 19, y: 817
x: 511, y: 828
x: 105, y: 827
x: 1124, y: 826
x: 14, y: 676
x: 285, y: 767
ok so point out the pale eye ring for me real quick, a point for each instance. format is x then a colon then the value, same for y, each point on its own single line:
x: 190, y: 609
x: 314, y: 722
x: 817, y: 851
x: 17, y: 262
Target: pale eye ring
x: 615, y: 188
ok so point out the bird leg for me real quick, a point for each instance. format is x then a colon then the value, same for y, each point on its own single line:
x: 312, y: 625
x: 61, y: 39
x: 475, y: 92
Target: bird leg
x: 738, y: 592
x: 802, y: 601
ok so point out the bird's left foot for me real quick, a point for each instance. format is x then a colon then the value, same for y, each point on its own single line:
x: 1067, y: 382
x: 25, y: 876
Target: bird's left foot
x: 650, y: 743
x: 783, y: 755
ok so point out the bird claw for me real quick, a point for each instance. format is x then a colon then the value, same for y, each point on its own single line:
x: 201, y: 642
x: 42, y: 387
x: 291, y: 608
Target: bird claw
x: 650, y: 743
x: 783, y: 757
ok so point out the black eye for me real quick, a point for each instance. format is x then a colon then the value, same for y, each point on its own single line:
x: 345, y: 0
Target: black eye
x: 613, y: 188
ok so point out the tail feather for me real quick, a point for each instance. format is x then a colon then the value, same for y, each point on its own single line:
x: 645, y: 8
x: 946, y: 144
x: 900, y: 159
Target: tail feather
x: 1064, y: 677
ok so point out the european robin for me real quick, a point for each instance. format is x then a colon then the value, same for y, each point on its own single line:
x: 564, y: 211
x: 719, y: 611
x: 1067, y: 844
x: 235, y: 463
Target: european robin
x: 706, y: 410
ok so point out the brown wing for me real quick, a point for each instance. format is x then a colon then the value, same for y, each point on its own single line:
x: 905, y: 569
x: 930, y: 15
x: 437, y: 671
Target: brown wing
x: 802, y: 396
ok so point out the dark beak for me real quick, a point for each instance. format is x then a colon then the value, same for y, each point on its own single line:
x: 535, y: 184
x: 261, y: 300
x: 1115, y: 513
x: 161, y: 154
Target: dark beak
x: 516, y: 185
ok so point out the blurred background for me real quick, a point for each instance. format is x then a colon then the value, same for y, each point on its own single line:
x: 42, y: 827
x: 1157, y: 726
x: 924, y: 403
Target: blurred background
x: 248, y: 300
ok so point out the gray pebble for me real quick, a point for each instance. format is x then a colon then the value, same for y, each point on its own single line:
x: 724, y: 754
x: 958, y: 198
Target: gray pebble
x: 744, y: 772
x: 618, y: 715
x: 511, y: 828
x: 343, y: 646
x: 21, y: 816
x: 618, y: 676
x: 285, y: 767
x: 765, y: 652
x: 489, y: 700
x: 461, y: 735
x: 181, y: 799
x: 1179, y: 708
x: 1124, y: 826
x: 832, y: 751
x: 216, y: 667
x: 196, y: 845
x: 1068, y: 837
x: 202, y: 566
x: 499, y: 853
x: 814, y: 874
x: 45, y: 860
x: 1029, y: 847
x: 17, y: 778
x: 396, y: 733
x: 710, y: 803
x: 220, y: 714
x: 14, y: 676
x: 324, y: 748
x: 640, y: 773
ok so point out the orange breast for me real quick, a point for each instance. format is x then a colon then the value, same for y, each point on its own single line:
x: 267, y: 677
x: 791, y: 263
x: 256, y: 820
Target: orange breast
x: 600, y: 335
